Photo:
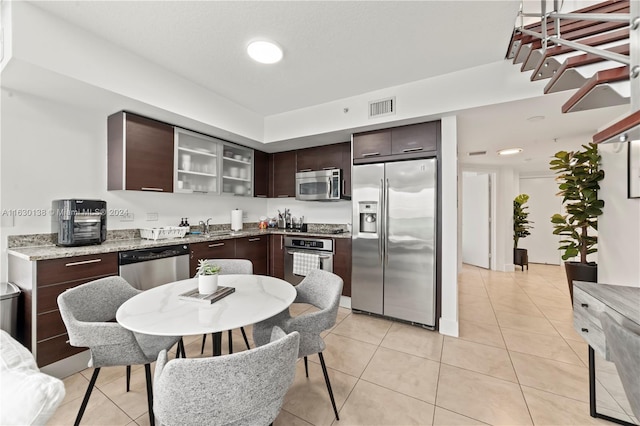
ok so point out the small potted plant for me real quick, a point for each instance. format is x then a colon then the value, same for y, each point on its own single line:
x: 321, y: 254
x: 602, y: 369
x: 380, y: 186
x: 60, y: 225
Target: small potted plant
x: 579, y: 177
x: 207, y: 277
x: 521, y: 226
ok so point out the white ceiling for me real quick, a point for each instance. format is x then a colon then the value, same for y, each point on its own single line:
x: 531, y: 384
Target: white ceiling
x: 337, y: 49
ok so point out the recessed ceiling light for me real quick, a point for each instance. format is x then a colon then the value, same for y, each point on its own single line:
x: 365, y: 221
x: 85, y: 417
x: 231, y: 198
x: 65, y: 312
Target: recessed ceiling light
x: 265, y: 52
x: 510, y: 151
x: 536, y: 118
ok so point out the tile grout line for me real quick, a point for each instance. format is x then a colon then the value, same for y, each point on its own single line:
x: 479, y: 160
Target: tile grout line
x: 510, y: 359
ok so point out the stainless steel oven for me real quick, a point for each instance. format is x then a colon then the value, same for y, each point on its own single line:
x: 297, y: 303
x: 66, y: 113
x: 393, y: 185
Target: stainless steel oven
x: 321, y: 247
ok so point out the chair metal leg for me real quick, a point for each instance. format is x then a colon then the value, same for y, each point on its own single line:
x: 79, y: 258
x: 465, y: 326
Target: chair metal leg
x: 128, y: 377
x: 180, y: 352
x: 87, y: 394
x: 306, y: 367
x: 204, y: 339
x: 230, y: 342
x: 183, y: 352
x: 147, y: 373
x: 244, y: 335
x: 326, y: 379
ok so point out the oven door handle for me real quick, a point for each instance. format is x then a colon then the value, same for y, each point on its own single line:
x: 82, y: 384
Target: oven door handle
x: 309, y: 252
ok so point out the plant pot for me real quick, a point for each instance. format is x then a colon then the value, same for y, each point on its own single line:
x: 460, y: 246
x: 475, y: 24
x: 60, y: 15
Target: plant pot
x: 521, y: 257
x: 577, y: 271
x: 207, y: 284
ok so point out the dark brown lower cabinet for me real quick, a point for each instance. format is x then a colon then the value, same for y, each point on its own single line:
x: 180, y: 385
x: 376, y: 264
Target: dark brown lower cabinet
x: 222, y: 249
x: 276, y: 256
x: 342, y: 263
x: 38, y: 300
x: 255, y: 249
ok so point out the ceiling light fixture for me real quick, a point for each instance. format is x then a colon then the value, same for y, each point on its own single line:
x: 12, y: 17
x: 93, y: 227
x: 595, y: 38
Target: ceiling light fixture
x: 510, y: 151
x: 265, y: 52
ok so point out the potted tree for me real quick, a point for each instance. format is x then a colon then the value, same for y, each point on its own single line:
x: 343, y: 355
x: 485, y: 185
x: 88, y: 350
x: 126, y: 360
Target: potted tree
x: 521, y: 226
x: 579, y: 176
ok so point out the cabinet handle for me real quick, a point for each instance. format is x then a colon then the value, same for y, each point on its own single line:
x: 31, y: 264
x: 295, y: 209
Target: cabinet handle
x: 585, y: 330
x: 152, y: 189
x: 191, y: 254
x: 200, y: 192
x: 261, y: 196
x: 585, y: 305
x: 254, y: 239
x: 83, y: 262
x: 283, y: 196
x: 304, y: 170
x: 216, y: 245
x: 370, y: 154
x: 329, y: 168
x: 412, y: 149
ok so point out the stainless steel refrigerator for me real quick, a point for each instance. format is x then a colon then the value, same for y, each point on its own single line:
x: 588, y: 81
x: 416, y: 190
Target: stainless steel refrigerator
x: 394, y: 239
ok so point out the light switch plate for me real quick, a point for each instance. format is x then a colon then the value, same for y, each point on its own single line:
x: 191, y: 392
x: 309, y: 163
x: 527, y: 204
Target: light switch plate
x: 152, y: 217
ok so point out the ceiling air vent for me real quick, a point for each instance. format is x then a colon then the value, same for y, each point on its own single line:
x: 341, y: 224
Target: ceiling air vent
x: 382, y: 107
x: 471, y: 154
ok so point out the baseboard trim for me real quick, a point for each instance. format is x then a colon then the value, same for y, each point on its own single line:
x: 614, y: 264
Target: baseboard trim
x: 448, y: 327
x: 68, y: 366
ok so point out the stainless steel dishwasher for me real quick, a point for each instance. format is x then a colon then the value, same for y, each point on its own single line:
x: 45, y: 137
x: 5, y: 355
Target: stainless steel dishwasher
x: 151, y: 267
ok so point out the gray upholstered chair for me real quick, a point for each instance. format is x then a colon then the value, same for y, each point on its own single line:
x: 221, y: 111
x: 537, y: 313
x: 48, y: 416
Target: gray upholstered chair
x: 321, y: 289
x: 246, y: 388
x: 624, y: 349
x: 231, y: 267
x: 88, y: 312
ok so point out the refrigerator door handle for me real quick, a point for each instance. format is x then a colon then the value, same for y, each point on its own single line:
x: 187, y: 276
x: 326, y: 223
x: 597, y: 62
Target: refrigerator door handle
x: 386, y: 222
x: 380, y: 225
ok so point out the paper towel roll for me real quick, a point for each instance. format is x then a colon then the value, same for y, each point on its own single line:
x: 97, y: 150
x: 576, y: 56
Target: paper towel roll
x: 236, y: 220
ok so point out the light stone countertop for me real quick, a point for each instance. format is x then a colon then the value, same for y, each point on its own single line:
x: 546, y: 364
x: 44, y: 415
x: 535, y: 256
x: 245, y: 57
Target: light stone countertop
x: 54, y: 252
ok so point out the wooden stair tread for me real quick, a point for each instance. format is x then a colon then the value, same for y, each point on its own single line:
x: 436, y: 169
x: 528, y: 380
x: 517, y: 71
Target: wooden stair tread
x: 580, y: 28
x: 599, y: 78
x: 589, y: 31
x: 598, y: 40
x: 581, y: 60
x: 631, y: 123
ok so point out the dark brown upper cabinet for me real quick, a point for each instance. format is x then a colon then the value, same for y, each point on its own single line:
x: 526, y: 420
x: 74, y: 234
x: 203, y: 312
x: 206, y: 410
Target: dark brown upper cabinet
x: 283, y: 169
x: 417, y: 138
x: 260, y: 174
x: 371, y: 145
x: 325, y: 157
x: 398, y: 143
x: 140, y: 153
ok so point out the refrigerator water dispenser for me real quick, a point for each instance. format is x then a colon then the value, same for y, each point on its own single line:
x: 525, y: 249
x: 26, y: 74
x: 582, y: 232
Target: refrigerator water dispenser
x: 368, y: 216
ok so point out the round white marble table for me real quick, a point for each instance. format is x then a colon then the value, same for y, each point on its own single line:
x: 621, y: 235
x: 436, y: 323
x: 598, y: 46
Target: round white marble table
x: 159, y: 311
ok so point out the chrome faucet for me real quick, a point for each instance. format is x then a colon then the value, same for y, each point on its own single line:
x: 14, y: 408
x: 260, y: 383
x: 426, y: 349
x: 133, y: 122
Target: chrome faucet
x: 205, y: 226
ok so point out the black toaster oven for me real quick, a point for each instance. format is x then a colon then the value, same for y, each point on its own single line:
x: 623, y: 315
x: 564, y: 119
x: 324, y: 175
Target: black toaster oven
x: 77, y: 222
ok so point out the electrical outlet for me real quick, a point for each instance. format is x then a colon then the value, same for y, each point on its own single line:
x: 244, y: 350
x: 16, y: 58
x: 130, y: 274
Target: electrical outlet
x: 127, y: 217
x: 152, y: 216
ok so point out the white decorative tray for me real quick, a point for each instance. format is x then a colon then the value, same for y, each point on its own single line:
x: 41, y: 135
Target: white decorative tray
x: 164, y: 233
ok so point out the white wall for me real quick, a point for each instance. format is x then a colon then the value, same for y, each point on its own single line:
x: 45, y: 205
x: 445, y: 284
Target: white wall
x: 542, y: 245
x: 450, y: 213
x: 619, y: 225
x: 50, y: 150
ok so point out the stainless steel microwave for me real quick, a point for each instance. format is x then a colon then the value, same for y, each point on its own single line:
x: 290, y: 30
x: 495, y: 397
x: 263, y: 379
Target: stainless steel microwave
x: 323, y: 185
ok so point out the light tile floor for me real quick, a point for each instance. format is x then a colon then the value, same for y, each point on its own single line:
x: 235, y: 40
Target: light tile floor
x: 517, y: 361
